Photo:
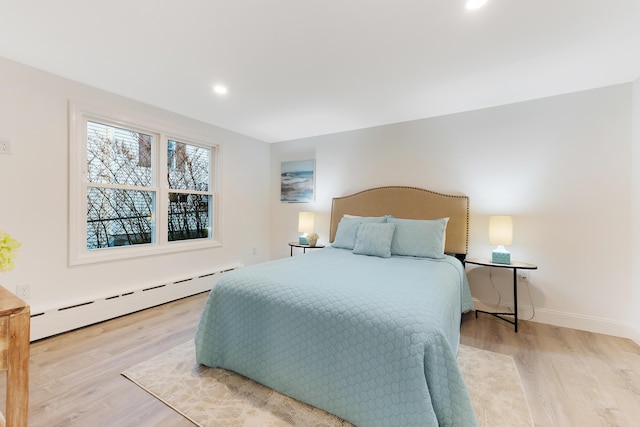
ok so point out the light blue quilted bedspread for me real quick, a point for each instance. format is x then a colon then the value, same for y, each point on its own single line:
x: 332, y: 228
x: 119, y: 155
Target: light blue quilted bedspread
x: 371, y: 340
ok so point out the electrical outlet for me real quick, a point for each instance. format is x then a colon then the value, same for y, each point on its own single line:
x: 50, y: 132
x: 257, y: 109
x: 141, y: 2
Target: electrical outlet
x: 523, y: 275
x: 23, y: 290
x: 5, y: 145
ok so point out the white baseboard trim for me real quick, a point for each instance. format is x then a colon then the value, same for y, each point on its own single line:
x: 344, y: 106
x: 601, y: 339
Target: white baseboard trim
x: 73, y: 316
x: 566, y: 320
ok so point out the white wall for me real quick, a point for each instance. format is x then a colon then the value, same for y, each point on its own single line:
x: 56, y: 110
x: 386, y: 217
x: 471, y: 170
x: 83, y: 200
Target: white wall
x: 635, y: 302
x: 561, y: 166
x: 34, y: 194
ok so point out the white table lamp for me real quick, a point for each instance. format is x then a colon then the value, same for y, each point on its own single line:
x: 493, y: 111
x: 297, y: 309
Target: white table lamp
x: 305, y: 226
x: 501, y: 234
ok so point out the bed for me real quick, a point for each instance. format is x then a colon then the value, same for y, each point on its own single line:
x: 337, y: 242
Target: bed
x: 359, y: 332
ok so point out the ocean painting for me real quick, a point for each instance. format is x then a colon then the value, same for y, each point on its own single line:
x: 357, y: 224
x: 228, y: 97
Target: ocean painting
x: 297, y: 181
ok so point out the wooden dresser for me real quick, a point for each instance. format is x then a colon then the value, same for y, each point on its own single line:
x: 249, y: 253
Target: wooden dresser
x: 14, y: 357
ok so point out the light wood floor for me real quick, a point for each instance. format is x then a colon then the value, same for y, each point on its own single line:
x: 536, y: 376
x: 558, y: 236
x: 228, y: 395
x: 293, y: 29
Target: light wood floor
x: 571, y: 378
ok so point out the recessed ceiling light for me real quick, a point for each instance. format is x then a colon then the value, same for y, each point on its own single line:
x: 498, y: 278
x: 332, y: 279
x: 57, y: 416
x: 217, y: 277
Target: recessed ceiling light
x: 220, y: 89
x: 475, y: 4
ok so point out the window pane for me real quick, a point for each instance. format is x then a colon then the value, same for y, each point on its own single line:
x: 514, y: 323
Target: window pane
x: 189, y: 216
x: 118, y: 217
x: 188, y: 166
x: 118, y: 156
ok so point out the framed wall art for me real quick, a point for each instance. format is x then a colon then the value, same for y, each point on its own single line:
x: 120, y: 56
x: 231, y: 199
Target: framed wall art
x: 297, y: 181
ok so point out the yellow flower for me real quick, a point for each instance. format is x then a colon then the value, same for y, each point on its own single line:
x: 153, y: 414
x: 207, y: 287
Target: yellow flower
x: 8, y: 251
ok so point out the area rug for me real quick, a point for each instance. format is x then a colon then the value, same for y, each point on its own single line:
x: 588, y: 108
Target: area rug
x: 215, y: 397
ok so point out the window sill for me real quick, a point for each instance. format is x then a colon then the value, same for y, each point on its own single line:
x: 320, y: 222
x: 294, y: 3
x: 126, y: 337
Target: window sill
x: 127, y: 252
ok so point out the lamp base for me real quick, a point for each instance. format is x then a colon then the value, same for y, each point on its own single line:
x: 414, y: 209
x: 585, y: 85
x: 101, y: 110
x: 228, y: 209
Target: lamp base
x: 500, y: 257
x: 302, y: 240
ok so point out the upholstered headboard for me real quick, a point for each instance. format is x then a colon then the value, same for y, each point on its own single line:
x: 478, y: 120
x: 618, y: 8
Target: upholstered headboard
x: 410, y: 203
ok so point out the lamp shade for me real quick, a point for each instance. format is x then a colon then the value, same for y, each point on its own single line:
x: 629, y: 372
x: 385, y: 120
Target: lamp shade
x: 500, y: 230
x: 305, y: 222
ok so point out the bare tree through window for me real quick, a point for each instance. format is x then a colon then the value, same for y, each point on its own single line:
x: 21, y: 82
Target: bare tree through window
x: 122, y: 195
x: 189, y: 213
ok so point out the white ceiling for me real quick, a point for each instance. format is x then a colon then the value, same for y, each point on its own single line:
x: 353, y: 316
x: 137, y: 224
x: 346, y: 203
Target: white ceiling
x: 298, y: 68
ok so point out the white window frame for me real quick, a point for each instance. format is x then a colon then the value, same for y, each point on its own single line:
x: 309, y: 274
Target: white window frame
x: 79, y: 114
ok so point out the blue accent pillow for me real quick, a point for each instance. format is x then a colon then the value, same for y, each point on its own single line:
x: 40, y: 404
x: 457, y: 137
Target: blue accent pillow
x: 348, y: 228
x: 419, y: 238
x: 374, y: 239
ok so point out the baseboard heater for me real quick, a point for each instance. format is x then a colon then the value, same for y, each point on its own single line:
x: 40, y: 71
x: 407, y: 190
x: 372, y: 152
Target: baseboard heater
x: 79, y: 314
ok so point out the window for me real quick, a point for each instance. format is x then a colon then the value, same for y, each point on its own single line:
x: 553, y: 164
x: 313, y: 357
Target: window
x: 138, y: 189
x: 189, y: 213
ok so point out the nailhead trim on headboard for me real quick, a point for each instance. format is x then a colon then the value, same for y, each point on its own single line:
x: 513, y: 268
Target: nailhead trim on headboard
x: 412, y: 203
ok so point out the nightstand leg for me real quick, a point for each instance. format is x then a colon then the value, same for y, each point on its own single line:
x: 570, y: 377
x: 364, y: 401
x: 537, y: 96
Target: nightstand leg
x: 515, y: 297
